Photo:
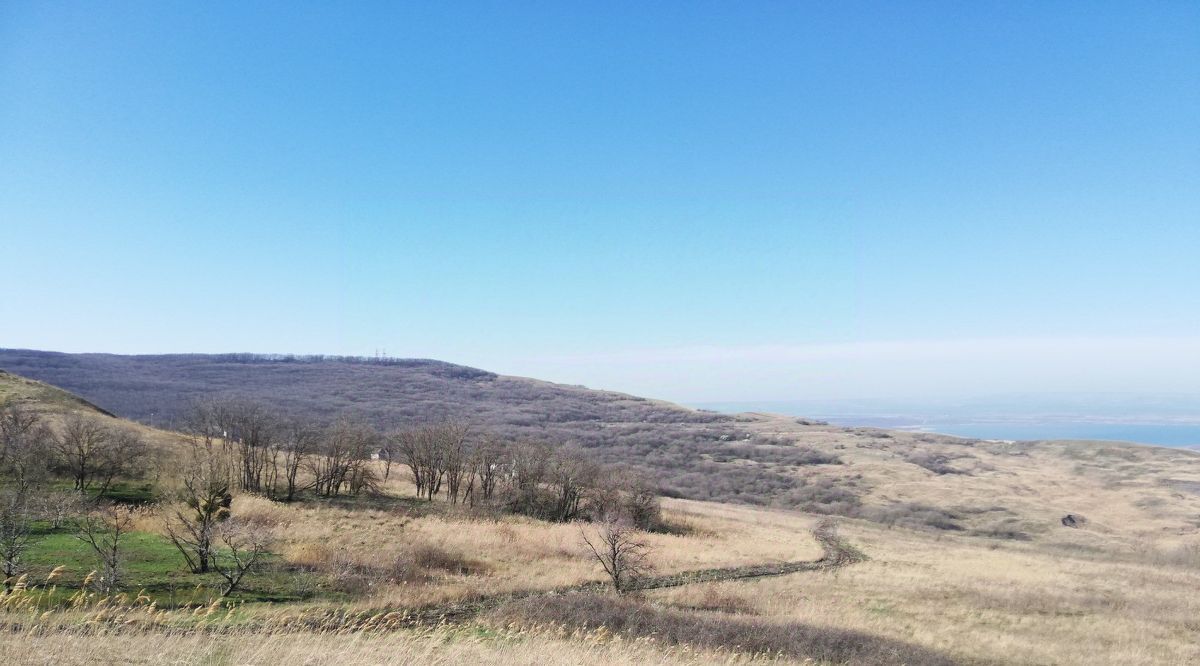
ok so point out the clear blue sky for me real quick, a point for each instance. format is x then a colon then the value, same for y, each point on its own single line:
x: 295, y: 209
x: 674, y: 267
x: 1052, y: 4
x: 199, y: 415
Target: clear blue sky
x: 698, y: 201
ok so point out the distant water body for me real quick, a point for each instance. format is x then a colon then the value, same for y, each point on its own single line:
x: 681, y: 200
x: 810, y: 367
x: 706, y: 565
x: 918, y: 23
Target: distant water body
x: 1180, y: 435
x: 1179, y: 427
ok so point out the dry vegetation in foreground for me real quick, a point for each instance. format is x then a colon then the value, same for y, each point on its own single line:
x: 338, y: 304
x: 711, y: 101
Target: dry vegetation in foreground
x: 1003, y: 602
x: 429, y: 647
x: 409, y: 554
x: 969, y: 563
x: 923, y: 597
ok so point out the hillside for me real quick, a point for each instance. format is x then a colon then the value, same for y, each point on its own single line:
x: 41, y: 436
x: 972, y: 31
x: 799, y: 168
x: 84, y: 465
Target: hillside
x: 694, y: 453
x: 41, y: 396
x: 968, y: 562
x: 999, y: 490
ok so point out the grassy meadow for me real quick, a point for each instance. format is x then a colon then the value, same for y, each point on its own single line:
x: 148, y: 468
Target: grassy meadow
x: 967, y: 562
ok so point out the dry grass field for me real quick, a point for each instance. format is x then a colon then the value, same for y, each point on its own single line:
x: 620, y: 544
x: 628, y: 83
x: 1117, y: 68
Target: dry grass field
x: 969, y: 562
x: 991, y: 601
x: 968, y: 599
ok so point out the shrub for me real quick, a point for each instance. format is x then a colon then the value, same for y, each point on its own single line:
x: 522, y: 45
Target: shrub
x: 913, y: 515
x: 934, y: 462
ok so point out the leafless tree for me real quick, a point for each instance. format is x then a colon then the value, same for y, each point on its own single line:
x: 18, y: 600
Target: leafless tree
x: 244, y: 544
x: 621, y: 550
x: 486, y: 464
x: 24, y: 443
x: 16, y: 518
x: 388, y: 456
x: 629, y: 492
x: 418, y: 449
x: 299, y: 440
x: 81, y: 448
x: 204, y: 502
x: 245, y: 430
x: 102, y: 528
x: 250, y: 429
x: 571, y: 474
x: 124, y: 455
x: 526, y: 475
x: 28, y: 457
x: 342, y: 461
x: 451, y: 438
x: 57, y: 507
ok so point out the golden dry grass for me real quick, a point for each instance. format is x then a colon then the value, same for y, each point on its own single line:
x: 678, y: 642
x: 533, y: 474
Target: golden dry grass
x: 977, y: 600
x: 1007, y: 602
x: 1129, y: 493
x: 511, y: 553
x: 428, y: 648
x: 1121, y: 590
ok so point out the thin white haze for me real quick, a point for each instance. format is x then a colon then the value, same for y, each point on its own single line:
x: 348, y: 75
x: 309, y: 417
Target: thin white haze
x: 917, y: 369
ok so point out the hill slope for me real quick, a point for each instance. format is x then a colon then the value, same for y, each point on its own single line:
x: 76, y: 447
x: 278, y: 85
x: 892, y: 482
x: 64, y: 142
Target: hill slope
x: 388, y: 392
x: 996, y: 489
x: 42, y: 396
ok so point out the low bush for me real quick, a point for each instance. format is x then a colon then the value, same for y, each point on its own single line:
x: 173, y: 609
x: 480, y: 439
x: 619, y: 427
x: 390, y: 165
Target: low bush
x: 934, y: 462
x: 913, y: 515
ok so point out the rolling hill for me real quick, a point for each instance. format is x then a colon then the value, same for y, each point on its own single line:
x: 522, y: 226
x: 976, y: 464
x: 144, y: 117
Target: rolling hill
x: 988, y: 572
x: 1004, y: 490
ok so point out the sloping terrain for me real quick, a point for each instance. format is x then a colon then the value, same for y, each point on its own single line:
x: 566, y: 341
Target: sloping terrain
x: 1128, y: 494
x: 989, y: 574
x: 41, y: 396
x: 693, y: 453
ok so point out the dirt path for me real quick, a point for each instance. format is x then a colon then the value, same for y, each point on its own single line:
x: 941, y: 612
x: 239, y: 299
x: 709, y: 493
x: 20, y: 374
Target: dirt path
x: 836, y: 554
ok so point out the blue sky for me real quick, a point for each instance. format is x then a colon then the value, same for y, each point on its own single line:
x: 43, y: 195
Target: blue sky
x: 697, y: 201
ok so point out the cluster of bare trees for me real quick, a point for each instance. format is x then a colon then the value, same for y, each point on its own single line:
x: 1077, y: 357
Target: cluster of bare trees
x: 280, y: 458
x: 84, y: 449
x: 342, y: 463
x: 241, y: 446
x: 530, y: 478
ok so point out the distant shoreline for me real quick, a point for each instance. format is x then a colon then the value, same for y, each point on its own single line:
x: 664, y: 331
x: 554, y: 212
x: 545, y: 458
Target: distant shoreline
x: 1171, y: 431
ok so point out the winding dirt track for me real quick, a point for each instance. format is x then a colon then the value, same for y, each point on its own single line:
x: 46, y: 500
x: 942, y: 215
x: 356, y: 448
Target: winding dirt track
x: 837, y: 554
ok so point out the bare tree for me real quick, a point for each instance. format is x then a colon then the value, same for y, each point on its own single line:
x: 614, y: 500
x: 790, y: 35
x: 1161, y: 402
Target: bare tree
x: 245, y: 543
x: 629, y: 492
x: 620, y: 549
x: 124, y: 455
x: 203, y: 504
x: 571, y: 474
x: 526, y: 472
x: 28, y: 458
x: 79, y: 445
x: 486, y: 462
x: 102, y: 528
x: 16, y: 518
x: 57, y: 507
x: 15, y: 421
x: 451, y: 438
x: 343, y: 460
x: 299, y: 440
x: 421, y: 451
x: 249, y: 429
x: 24, y: 444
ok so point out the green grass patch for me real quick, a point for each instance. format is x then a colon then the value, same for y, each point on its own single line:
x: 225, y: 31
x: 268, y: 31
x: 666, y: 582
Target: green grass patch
x: 153, y: 565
